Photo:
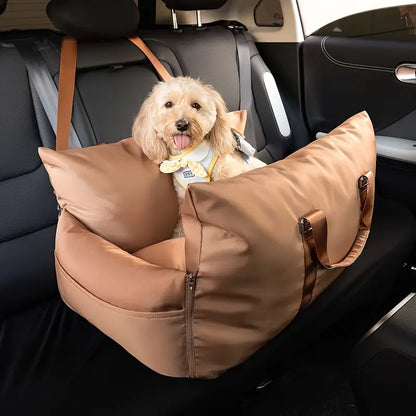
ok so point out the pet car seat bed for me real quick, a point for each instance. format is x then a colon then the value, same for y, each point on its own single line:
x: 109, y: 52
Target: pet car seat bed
x: 258, y: 248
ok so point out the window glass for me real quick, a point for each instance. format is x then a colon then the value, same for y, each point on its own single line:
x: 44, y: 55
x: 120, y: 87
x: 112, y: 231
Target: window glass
x: 268, y: 13
x: 391, y: 23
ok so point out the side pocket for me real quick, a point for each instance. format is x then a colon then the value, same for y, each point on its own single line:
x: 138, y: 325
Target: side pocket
x: 155, y: 338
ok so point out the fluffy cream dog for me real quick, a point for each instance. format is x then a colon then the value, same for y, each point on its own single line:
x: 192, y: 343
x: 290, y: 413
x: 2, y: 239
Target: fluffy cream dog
x: 183, y: 127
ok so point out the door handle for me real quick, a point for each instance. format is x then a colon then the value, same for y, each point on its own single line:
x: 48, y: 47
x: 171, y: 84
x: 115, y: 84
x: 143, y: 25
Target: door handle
x: 406, y: 73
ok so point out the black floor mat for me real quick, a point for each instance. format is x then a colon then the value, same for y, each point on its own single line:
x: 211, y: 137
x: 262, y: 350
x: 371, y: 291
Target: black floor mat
x: 316, y: 382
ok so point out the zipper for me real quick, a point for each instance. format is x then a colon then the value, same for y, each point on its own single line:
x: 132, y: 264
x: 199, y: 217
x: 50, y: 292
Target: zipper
x: 190, y: 280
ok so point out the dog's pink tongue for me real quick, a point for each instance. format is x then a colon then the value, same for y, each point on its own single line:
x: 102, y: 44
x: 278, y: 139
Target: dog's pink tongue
x: 181, y: 141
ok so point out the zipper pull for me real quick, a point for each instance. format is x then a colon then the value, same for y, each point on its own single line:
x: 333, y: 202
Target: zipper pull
x: 191, y: 281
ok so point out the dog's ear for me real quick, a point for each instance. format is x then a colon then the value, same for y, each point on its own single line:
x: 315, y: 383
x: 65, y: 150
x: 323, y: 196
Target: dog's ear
x: 145, y: 135
x: 220, y: 136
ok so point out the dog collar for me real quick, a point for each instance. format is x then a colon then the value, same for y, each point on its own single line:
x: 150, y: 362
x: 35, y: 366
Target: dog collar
x: 193, y: 165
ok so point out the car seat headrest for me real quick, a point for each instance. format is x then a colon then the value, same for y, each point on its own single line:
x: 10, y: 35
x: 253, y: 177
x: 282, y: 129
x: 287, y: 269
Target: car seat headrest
x: 94, y: 19
x: 3, y: 4
x: 194, y: 4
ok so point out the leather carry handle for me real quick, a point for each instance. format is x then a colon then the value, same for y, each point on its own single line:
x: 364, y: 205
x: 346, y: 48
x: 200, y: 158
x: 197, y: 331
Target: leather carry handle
x: 314, y: 230
x: 67, y: 73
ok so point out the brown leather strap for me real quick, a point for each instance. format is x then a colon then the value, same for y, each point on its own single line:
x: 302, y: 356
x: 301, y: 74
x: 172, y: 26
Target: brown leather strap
x: 67, y: 72
x: 310, y: 274
x: 161, y: 70
x: 314, y: 229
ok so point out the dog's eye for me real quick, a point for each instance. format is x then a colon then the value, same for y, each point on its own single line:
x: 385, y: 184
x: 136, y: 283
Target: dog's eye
x: 168, y: 104
x: 197, y: 106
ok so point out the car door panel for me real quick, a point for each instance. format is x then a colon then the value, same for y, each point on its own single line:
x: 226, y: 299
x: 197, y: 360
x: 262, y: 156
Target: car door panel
x: 345, y: 75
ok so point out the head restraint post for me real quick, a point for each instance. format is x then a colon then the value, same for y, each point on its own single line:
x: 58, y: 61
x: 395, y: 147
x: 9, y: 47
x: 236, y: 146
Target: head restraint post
x: 174, y: 20
x: 198, y: 19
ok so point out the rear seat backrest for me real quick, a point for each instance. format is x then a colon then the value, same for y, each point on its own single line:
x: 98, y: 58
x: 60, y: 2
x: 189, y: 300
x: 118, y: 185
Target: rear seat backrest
x: 27, y: 203
x: 114, y: 78
x: 211, y: 55
x: 267, y: 116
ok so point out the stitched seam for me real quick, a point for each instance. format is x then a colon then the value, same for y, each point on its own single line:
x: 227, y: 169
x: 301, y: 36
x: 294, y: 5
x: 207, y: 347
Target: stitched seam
x: 351, y: 65
x: 163, y: 60
x: 28, y: 233
x: 78, y: 104
x: 201, y: 226
x: 22, y: 174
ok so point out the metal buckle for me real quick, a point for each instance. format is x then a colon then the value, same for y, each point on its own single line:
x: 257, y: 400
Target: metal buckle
x: 363, y: 182
x: 305, y: 228
x: 235, y: 25
x: 237, y: 138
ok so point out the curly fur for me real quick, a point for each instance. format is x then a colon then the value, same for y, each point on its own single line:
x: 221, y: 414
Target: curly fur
x: 154, y: 128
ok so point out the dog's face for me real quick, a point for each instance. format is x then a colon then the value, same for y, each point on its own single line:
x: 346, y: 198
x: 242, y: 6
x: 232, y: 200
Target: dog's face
x: 185, y: 112
x: 177, y: 115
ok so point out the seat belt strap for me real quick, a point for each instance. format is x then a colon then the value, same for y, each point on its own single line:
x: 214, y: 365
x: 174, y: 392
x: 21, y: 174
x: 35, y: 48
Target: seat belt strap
x: 42, y: 82
x: 244, y: 65
x: 67, y: 73
x: 160, y: 69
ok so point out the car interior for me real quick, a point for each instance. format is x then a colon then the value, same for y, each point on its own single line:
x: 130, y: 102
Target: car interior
x: 53, y: 361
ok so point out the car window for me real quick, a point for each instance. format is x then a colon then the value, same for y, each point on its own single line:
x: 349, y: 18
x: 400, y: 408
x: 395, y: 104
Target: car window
x: 397, y: 22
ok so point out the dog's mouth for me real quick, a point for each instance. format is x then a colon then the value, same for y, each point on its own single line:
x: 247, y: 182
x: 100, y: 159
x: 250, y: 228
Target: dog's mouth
x: 181, y: 140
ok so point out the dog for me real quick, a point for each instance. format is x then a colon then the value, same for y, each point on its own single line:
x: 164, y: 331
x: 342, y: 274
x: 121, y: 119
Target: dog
x: 183, y: 127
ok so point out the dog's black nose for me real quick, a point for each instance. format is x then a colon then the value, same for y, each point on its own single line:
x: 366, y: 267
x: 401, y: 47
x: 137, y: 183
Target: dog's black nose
x: 182, y: 124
